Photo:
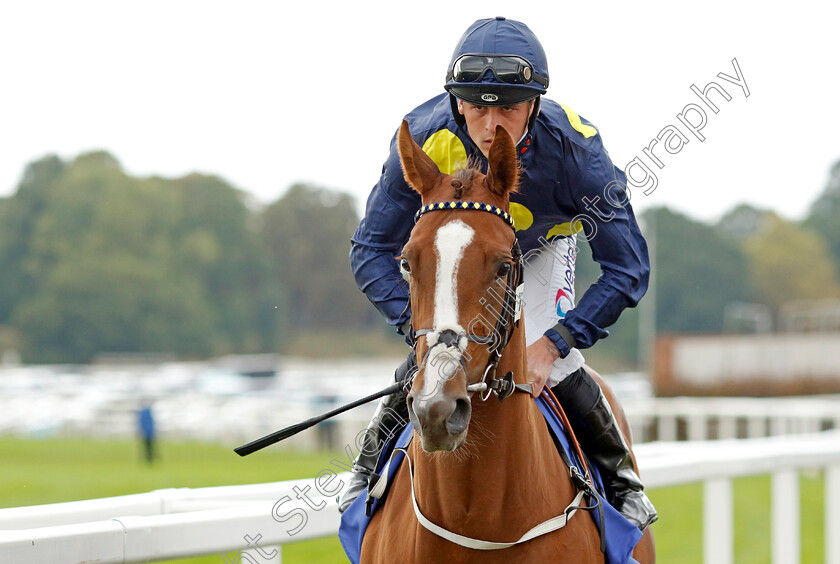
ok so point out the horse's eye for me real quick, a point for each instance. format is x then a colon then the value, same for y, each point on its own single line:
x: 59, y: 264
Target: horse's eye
x: 405, y: 268
x: 504, y: 269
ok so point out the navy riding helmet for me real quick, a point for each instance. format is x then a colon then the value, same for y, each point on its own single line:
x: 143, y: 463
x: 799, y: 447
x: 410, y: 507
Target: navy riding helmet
x: 497, y: 62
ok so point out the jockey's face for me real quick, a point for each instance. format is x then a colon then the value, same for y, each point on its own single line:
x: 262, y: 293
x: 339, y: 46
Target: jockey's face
x: 482, y: 121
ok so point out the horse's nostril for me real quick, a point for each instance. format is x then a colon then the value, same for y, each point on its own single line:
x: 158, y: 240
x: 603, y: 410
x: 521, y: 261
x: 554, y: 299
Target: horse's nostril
x: 457, y: 422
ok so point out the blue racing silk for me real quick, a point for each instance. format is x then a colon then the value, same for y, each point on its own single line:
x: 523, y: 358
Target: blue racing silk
x: 567, y: 185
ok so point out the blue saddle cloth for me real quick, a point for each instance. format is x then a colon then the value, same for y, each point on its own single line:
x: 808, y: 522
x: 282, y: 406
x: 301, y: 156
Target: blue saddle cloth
x: 621, y: 536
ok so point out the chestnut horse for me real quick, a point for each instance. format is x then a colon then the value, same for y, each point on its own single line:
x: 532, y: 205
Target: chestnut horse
x: 482, y: 468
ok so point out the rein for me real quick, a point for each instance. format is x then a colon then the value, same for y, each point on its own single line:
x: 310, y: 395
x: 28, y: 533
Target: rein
x: 508, y: 317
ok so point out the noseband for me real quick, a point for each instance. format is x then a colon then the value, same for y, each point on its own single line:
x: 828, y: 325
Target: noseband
x: 507, y: 318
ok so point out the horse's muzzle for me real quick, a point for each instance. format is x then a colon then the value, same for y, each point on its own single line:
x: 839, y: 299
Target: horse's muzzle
x: 441, y: 421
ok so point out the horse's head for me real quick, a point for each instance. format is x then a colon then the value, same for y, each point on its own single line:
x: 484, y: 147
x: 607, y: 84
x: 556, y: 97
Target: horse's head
x: 458, y: 263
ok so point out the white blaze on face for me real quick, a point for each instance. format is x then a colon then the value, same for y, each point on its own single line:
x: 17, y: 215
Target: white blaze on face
x: 450, y: 242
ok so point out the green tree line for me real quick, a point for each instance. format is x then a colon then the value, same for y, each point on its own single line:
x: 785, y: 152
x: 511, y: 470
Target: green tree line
x: 94, y: 260
x: 749, y: 256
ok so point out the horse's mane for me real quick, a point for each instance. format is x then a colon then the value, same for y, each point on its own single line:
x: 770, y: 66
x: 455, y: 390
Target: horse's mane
x: 462, y: 179
x: 466, y: 175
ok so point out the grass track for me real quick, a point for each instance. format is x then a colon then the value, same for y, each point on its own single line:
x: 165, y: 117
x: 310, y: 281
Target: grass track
x: 50, y: 471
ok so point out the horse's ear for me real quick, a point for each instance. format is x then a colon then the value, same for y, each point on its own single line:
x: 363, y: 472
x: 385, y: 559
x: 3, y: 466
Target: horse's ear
x: 503, y: 173
x: 419, y: 170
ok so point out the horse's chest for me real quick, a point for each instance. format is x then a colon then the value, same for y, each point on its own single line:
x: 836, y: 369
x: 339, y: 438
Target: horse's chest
x: 395, y: 535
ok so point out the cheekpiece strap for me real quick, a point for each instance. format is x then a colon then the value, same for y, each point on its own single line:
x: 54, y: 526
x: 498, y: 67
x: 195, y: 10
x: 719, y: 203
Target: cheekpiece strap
x: 437, y: 206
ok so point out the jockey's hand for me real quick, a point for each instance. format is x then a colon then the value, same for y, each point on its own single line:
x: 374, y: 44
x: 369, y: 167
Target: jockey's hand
x: 540, y: 356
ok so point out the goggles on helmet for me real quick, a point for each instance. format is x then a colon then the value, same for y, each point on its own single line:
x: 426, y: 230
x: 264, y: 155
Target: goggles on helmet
x: 509, y: 69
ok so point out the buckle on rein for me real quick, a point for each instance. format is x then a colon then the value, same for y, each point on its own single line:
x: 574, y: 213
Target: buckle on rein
x: 584, y: 483
x: 504, y: 387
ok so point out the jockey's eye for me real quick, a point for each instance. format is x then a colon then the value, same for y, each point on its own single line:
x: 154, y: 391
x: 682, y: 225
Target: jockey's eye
x: 504, y: 270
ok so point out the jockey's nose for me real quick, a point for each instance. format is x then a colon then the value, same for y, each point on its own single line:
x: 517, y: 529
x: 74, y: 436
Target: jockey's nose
x: 493, y: 118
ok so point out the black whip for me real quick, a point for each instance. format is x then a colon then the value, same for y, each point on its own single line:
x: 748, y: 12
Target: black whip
x: 278, y: 436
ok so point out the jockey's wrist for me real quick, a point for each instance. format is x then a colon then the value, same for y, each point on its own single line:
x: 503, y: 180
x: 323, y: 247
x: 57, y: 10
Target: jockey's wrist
x: 550, y: 347
x: 558, y: 335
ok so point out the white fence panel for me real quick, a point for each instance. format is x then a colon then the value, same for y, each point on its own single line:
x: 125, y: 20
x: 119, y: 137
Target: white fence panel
x: 177, y: 523
x: 718, y: 537
x: 785, y: 517
x: 151, y: 538
x: 832, y: 515
x: 704, y: 418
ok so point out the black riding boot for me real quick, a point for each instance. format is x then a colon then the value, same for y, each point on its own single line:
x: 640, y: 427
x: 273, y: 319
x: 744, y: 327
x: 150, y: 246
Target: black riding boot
x: 391, y: 417
x: 598, y: 432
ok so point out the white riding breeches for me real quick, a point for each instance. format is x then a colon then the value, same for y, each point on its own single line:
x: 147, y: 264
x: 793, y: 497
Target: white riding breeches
x: 549, y: 294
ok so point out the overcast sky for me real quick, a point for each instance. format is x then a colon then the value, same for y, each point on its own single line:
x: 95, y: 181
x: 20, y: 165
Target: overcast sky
x: 265, y: 94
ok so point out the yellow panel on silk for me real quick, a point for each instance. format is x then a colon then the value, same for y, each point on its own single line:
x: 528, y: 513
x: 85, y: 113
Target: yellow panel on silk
x: 565, y: 229
x: 446, y: 150
x: 574, y: 119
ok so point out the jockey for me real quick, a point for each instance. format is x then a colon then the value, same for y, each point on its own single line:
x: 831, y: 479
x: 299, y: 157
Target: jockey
x: 568, y: 188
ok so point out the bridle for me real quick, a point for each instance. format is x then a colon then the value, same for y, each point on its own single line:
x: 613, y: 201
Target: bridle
x: 508, y: 317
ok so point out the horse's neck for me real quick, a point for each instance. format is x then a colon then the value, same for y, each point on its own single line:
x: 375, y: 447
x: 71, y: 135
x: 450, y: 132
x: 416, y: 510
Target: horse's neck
x: 508, y: 453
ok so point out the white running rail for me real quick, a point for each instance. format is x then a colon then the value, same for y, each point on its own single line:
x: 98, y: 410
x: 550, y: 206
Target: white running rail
x: 704, y: 418
x: 248, y: 524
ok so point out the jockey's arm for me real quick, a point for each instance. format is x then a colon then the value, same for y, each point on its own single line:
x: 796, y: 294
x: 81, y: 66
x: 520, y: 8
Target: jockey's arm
x: 619, y: 248
x: 389, y: 217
